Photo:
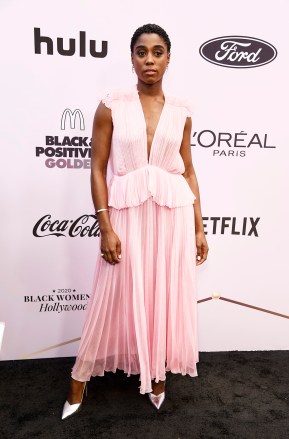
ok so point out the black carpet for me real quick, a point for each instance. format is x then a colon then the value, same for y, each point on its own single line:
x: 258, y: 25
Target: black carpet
x: 236, y: 395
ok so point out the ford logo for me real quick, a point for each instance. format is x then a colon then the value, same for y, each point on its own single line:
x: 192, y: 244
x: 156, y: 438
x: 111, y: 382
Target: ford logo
x: 238, y: 52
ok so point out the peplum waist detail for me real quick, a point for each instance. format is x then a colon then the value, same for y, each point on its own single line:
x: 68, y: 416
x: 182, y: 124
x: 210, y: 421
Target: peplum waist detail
x: 135, y: 187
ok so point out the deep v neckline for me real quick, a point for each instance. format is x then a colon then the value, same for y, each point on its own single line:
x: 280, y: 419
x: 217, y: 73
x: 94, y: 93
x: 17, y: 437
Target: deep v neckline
x: 148, y: 158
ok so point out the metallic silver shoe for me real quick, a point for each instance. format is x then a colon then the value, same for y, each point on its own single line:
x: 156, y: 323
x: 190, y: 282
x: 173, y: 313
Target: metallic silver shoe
x: 72, y: 409
x: 157, y: 400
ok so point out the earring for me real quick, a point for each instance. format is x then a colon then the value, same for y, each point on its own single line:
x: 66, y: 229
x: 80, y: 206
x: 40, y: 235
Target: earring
x: 132, y: 69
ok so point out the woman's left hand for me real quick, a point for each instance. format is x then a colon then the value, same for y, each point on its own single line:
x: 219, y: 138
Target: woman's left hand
x: 202, y: 247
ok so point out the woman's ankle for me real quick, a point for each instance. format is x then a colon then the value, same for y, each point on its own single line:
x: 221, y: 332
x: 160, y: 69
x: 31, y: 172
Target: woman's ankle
x: 75, y: 391
x: 158, y: 387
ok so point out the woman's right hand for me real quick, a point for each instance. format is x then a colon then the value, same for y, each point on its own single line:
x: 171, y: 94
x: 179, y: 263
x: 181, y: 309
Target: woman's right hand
x: 110, y: 247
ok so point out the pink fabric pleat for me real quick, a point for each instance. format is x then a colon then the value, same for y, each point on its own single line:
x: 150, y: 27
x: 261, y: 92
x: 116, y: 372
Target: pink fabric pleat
x: 133, y: 188
x: 142, y: 313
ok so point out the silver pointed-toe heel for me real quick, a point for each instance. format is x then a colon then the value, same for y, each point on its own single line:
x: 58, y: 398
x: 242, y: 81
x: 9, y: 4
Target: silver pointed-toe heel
x: 157, y: 400
x: 72, y: 409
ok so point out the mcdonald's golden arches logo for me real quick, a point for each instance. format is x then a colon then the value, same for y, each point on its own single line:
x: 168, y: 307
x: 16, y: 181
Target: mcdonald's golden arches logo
x: 72, y: 117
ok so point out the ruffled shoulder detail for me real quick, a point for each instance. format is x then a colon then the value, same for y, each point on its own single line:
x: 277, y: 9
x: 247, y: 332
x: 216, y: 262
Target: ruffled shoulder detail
x: 189, y: 108
x: 120, y: 94
x: 181, y: 102
x: 107, y: 99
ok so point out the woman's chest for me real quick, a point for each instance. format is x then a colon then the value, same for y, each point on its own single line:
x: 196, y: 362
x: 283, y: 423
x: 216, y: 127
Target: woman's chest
x: 136, y: 128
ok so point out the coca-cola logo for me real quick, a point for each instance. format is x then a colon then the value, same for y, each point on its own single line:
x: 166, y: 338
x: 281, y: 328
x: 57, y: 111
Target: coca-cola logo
x: 85, y: 225
x: 238, y: 52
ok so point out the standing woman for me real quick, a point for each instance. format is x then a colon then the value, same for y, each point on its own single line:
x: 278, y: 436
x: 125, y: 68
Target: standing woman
x: 142, y: 314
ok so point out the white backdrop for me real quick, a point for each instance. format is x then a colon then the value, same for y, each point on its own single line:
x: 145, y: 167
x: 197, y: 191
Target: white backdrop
x: 46, y: 279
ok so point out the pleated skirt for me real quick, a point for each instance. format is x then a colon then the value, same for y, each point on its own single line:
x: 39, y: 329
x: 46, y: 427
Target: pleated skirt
x: 142, y: 312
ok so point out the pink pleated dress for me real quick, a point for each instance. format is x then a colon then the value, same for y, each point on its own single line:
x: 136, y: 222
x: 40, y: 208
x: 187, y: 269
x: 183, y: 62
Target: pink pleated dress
x: 142, y: 312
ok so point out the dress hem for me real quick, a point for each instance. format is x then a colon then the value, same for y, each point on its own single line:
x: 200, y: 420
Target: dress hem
x: 142, y: 392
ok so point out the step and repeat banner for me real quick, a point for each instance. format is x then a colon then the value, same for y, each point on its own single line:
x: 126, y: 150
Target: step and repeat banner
x: 57, y: 60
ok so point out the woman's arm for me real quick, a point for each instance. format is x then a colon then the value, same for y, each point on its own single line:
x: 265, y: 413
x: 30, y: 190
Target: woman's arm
x: 191, y: 178
x: 100, y: 150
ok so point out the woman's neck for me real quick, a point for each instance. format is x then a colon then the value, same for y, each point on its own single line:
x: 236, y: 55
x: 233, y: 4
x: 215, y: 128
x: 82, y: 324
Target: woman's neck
x: 152, y: 90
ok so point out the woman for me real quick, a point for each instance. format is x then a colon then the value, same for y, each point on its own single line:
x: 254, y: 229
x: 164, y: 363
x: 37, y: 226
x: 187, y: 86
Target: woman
x: 142, y: 315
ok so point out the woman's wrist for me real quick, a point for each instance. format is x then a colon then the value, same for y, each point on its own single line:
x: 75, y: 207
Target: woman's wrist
x: 103, y: 220
x: 105, y: 229
x: 101, y: 210
x: 199, y: 230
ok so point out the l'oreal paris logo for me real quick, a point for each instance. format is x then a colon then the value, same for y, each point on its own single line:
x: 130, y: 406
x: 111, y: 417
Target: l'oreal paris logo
x: 238, y: 52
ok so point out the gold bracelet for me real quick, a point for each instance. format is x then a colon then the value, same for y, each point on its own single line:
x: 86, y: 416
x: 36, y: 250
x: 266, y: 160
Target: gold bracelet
x: 100, y: 210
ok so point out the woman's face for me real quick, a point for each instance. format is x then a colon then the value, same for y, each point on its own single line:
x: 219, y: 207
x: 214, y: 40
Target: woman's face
x: 150, y: 58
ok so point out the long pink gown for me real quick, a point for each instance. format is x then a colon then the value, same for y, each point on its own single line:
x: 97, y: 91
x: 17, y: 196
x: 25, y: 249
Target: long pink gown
x: 142, y: 313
